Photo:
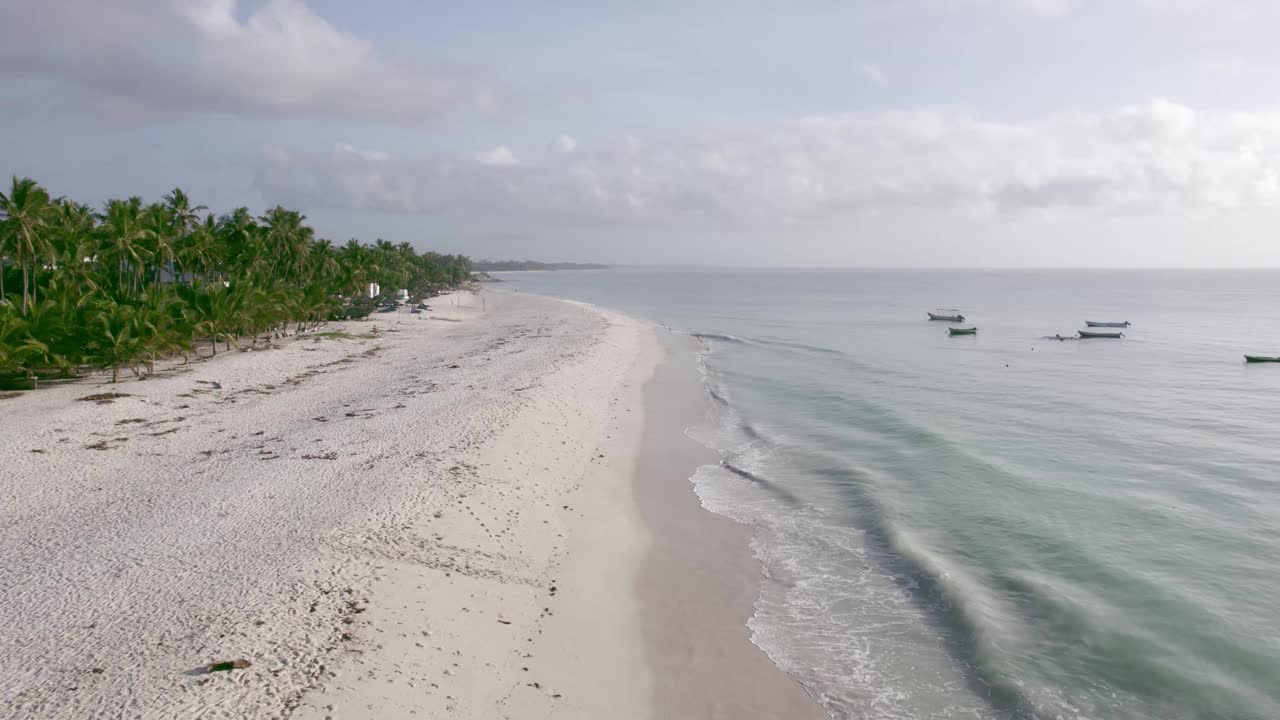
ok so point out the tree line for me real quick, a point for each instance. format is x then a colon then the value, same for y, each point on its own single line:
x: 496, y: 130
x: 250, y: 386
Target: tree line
x: 123, y: 285
x: 510, y: 265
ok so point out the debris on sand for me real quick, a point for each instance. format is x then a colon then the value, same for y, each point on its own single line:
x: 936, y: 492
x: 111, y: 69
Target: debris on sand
x: 103, y: 398
x: 228, y: 665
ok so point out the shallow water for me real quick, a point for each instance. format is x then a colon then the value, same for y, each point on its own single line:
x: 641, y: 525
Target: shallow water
x: 1000, y: 525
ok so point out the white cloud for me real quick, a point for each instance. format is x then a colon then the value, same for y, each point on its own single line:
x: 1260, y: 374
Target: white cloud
x: 1218, y: 9
x: 566, y: 143
x: 500, y: 156
x: 200, y: 56
x: 1226, y: 67
x: 873, y: 74
x: 370, y: 155
x: 1041, y: 8
x: 1159, y: 157
x: 1048, y: 8
x: 1191, y: 6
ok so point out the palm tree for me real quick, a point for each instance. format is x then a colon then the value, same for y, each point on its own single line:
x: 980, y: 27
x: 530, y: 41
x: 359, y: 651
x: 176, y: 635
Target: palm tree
x: 324, y: 264
x: 24, y: 210
x: 241, y: 244
x: 19, y: 350
x: 287, y: 240
x: 124, y: 235
x: 92, y: 290
x: 5, y: 242
x: 116, y: 346
x: 227, y: 313
x: 155, y: 217
x: 194, y: 311
x: 197, y: 254
x: 71, y: 226
x: 183, y: 218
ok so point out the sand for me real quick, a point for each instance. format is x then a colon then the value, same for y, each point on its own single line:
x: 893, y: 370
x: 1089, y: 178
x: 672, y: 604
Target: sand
x: 699, y: 583
x: 442, y: 520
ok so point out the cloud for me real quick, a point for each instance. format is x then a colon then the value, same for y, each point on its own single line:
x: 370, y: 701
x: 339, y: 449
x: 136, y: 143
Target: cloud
x: 1158, y: 157
x: 500, y: 156
x: 566, y: 143
x: 1231, y: 7
x: 199, y: 56
x: 872, y: 74
x: 1052, y: 9
x: 1225, y: 67
x: 1047, y: 8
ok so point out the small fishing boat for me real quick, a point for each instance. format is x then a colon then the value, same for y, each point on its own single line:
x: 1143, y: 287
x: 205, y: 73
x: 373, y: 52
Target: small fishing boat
x: 1261, y: 358
x: 962, y: 331
x: 1086, y: 334
x: 947, y: 315
x: 1092, y: 323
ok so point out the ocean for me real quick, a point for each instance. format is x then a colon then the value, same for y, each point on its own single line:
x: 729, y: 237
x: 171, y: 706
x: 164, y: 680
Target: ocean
x: 998, y: 525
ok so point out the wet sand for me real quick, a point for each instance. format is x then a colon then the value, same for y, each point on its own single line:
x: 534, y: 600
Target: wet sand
x: 699, y: 582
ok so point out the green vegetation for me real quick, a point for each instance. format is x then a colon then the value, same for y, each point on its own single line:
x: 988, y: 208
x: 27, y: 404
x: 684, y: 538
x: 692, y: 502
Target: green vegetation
x: 509, y: 265
x: 124, y: 286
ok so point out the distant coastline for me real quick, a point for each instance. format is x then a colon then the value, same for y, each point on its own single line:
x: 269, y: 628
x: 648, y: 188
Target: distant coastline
x: 526, y: 265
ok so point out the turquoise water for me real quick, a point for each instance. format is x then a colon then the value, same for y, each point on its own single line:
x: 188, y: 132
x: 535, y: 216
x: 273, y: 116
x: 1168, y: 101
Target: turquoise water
x: 997, y: 526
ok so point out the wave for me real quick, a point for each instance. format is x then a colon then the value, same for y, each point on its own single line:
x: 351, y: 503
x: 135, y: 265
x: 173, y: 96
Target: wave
x: 749, y: 431
x: 946, y: 604
x: 773, y: 488
x: 720, y: 337
x: 803, y: 346
x: 789, y: 344
x: 938, y: 592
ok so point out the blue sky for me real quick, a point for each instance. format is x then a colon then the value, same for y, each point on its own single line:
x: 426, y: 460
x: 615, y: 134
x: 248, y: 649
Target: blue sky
x: 875, y: 133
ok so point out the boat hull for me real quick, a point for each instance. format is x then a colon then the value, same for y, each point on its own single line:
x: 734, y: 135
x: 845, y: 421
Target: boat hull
x: 1261, y: 359
x: 1090, y: 335
x: 962, y: 331
x: 947, y: 318
x: 1092, y: 323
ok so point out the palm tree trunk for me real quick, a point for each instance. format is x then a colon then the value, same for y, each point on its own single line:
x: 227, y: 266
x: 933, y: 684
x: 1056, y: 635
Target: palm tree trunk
x: 24, y: 289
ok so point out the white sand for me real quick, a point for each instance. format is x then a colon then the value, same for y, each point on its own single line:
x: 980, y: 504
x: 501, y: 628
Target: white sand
x: 377, y: 531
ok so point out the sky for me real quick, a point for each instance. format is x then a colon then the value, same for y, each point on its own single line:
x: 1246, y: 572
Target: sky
x: 862, y: 133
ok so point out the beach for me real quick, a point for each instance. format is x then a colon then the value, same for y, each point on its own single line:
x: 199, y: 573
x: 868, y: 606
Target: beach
x: 479, y: 511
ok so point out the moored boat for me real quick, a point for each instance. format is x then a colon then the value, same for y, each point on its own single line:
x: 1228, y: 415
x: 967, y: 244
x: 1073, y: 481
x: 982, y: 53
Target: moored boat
x: 1086, y: 334
x: 1261, y: 358
x: 962, y: 331
x: 1094, y: 323
x: 947, y: 315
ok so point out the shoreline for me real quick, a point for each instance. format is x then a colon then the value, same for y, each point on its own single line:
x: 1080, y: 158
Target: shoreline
x: 701, y: 580
x: 466, y: 519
